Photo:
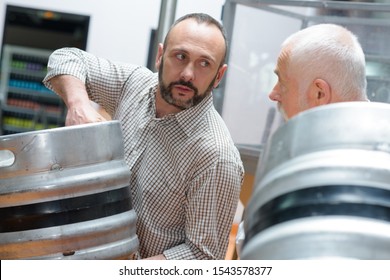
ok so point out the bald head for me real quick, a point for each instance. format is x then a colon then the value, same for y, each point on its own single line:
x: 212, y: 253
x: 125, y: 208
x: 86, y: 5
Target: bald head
x: 330, y: 52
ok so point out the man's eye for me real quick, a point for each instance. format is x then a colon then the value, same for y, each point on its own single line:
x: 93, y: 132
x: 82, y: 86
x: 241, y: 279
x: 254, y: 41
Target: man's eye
x: 204, y: 63
x: 180, y: 56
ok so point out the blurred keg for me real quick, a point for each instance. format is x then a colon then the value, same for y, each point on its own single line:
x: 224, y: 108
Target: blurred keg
x: 64, y: 194
x: 324, y: 187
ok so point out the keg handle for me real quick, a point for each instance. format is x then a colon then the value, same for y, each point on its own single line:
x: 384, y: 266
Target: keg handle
x: 7, y: 158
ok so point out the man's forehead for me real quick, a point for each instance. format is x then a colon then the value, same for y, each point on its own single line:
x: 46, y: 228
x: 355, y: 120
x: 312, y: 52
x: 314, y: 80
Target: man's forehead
x: 190, y: 34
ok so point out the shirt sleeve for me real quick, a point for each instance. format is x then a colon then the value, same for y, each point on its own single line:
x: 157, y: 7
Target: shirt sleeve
x: 212, y: 203
x: 104, y: 79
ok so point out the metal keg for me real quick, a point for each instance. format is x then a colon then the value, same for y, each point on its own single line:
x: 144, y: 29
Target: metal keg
x: 64, y: 194
x: 324, y: 187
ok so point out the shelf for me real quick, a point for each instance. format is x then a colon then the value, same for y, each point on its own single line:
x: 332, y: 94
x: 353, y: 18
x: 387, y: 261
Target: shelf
x: 9, y: 129
x: 26, y: 103
x: 7, y: 110
x: 39, y: 94
x: 31, y: 73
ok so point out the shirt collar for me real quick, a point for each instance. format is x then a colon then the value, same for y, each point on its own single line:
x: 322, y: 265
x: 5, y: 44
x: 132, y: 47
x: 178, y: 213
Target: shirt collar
x: 187, y: 119
x: 190, y: 118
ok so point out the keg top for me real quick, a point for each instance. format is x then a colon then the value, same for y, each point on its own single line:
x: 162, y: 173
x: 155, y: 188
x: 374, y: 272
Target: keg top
x: 344, y: 125
x: 61, y: 147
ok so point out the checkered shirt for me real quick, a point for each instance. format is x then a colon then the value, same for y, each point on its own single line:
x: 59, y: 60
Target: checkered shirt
x: 186, y: 172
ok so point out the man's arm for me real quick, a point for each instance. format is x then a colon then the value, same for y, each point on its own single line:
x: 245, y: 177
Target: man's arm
x: 72, y: 90
x: 78, y: 76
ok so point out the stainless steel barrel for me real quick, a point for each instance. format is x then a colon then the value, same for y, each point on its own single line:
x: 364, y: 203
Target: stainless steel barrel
x: 64, y: 194
x: 324, y: 187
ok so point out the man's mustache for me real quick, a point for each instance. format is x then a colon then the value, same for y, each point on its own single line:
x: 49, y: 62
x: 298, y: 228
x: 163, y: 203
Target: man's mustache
x: 186, y: 84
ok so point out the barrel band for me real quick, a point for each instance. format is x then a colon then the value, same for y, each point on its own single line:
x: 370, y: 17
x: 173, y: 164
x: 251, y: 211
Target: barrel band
x: 345, y: 200
x: 65, y: 211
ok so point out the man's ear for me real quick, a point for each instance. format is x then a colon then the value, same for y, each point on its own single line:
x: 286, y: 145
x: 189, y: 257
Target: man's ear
x: 159, y: 55
x: 220, y: 73
x: 321, y: 93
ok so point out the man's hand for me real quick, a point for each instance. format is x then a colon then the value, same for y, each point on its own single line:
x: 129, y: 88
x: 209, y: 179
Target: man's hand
x: 81, y: 115
x: 80, y: 109
x: 158, y: 257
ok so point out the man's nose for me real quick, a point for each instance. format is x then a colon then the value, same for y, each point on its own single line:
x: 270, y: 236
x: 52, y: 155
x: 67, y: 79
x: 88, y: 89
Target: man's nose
x: 274, y: 95
x: 188, y: 73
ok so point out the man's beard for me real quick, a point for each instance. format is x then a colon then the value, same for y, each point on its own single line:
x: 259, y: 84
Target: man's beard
x: 282, y: 112
x: 302, y: 103
x: 166, y: 91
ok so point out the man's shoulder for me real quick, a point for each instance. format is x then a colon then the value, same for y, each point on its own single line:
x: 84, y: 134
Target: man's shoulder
x: 214, y: 138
